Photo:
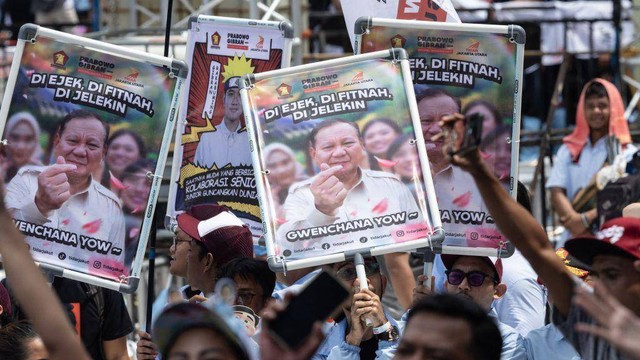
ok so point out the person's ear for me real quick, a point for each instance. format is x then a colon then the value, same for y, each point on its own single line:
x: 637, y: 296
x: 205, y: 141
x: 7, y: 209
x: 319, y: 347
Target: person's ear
x: 312, y: 152
x: 636, y: 264
x: 210, y: 262
x: 383, y: 284
x: 1, y: 309
x: 500, y: 289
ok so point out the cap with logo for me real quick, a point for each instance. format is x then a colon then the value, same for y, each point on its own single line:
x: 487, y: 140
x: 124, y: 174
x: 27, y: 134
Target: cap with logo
x: 619, y: 237
x: 222, y: 233
x: 496, y: 264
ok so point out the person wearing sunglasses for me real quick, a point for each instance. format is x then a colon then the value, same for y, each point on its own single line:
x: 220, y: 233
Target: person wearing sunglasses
x: 350, y: 337
x: 478, y: 278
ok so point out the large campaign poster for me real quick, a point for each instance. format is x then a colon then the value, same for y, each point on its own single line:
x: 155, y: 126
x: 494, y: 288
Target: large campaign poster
x: 338, y: 157
x: 469, y: 69
x: 84, y: 133
x: 212, y: 159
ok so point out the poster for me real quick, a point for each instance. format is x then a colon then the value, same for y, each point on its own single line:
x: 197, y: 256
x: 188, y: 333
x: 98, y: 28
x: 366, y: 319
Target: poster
x: 212, y: 146
x: 339, y: 159
x: 84, y: 130
x: 467, y: 69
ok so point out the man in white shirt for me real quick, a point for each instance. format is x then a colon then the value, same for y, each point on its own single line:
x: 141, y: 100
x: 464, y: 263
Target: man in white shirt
x: 228, y: 144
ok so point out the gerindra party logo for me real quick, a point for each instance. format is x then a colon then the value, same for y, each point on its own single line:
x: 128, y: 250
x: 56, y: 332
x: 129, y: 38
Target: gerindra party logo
x: 215, y: 39
x: 60, y: 59
x: 284, y: 91
x: 398, y: 41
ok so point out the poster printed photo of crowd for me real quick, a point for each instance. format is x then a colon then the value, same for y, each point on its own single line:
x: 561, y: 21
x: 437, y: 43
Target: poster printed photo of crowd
x: 339, y: 150
x: 83, y: 137
x: 468, y: 72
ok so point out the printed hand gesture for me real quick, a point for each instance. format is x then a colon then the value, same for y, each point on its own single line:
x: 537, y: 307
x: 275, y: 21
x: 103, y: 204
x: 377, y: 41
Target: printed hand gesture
x: 328, y: 191
x: 53, y: 186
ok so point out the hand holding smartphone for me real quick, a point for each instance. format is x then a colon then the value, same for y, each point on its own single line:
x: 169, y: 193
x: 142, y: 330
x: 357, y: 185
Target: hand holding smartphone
x: 315, y: 302
x: 471, y: 135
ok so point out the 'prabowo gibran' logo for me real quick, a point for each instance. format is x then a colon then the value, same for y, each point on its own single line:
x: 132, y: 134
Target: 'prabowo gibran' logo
x: 131, y: 79
x: 473, y: 49
x: 320, y: 83
x: 358, y: 78
x: 96, y: 67
x: 238, y: 41
x: 435, y: 45
x: 215, y: 39
x: 60, y: 59
x: 284, y: 91
x: 398, y: 41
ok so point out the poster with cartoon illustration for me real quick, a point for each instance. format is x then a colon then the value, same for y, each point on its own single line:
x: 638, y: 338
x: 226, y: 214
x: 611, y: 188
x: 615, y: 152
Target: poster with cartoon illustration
x: 468, y: 69
x: 337, y: 147
x: 212, y: 159
x: 87, y: 128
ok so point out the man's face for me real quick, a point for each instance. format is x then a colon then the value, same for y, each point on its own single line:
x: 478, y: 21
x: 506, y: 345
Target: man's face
x: 339, y: 144
x: 346, y: 273
x: 430, y: 111
x: 597, y: 111
x: 620, y: 277
x: 232, y: 106
x: 249, y: 294
x: 482, y: 295
x: 82, y: 144
x: 195, y: 265
x: 433, y: 336
x: 179, y: 251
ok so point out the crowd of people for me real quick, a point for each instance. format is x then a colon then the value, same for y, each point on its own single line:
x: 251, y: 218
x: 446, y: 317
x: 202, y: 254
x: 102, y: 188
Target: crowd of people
x: 471, y: 307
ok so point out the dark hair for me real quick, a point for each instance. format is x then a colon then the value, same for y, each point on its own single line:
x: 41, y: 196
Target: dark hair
x: 136, y: 137
x: 79, y: 114
x: 392, y: 124
x: 486, y: 340
x: 425, y: 92
x: 14, y: 338
x: 252, y: 270
x: 524, y: 197
x: 137, y: 166
x: 491, y: 107
x: 326, y: 124
x: 494, y: 135
x: 596, y: 89
x: 396, y: 144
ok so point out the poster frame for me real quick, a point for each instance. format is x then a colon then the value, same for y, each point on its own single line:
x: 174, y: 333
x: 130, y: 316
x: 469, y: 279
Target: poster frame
x: 176, y: 69
x: 517, y: 36
x: 280, y: 264
x: 287, y: 30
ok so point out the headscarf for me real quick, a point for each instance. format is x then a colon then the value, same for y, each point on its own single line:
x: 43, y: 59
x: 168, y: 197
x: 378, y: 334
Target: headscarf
x: 273, y: 147
x: 27, y: 117
x: 617, y: 123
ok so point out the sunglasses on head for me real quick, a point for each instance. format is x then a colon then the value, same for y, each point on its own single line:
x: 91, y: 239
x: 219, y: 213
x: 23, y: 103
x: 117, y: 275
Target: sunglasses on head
x: 474, y: 278
x: 348, y: 273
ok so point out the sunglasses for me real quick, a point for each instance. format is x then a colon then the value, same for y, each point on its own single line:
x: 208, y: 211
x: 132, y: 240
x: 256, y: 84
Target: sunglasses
x: 475, y: 278
x: 348, y: 273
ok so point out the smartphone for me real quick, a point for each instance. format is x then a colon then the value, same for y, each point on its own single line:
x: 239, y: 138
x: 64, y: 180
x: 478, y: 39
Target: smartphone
x: 472, y: 133
x: 316, y: 301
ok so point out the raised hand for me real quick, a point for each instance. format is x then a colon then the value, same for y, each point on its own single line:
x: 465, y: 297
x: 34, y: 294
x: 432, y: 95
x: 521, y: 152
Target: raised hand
x: 328, y: 191
x: 53, y: 186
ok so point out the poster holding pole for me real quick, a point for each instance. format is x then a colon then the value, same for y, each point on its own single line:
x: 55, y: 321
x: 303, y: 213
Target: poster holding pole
x: 337, y: 157
x: 469, y: 69
x: 87, y: 127
x: 212, y: 159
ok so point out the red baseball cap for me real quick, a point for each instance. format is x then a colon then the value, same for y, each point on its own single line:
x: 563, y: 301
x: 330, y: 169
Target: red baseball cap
x: 496, y: 264
x: 619, y: 237
x: 222, y: 233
